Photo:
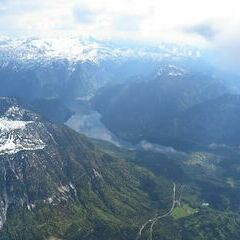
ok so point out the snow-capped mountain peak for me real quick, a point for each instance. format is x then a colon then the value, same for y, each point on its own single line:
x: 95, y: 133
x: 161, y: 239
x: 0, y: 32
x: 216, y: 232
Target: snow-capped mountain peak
x: 46, y: 67
x: 19, y: 130
x: 78, y: 49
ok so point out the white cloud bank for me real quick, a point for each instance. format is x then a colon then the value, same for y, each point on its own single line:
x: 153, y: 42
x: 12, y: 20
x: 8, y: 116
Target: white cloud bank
x: 202, y: 23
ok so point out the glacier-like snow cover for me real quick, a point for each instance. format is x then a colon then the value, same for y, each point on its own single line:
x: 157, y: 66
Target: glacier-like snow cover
x: 16, y: 135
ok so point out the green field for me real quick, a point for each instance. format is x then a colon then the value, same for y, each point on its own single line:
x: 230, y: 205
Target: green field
x: 183, y: 211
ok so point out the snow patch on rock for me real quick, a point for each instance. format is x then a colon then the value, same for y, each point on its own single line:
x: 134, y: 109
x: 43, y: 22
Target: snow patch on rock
x: 17, y: 135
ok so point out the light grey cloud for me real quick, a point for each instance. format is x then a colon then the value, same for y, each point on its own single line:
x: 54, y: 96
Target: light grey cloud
x: 206, y: 30
x: 17, y: 8
x: 126, y: 22
x: 170, y: 151
x: 226, y: 50
x: 83, y: 14
x: 154, y: 20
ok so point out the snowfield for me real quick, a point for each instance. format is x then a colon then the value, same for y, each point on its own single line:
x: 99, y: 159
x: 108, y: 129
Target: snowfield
x: 17, y: 135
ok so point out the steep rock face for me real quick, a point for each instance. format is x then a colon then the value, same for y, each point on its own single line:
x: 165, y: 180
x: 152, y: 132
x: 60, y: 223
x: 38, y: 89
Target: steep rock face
x: 48, y: 170
x: 21, y: 134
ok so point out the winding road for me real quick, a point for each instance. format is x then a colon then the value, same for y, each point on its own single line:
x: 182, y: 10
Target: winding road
x: 157, y: 218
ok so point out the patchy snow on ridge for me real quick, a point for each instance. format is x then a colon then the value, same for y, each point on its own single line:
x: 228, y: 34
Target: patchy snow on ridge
x: 171, y: 70
x: 14, y: 137
x: 176, y: 71
x: 9, y: 125
x: 16, y: 134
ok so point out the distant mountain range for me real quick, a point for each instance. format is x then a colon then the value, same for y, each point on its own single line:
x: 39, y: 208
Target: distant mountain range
x: 76, y: 68
x: 85, y: 49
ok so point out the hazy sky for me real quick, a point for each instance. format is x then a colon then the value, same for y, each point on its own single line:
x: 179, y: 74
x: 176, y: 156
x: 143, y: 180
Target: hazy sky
x: 199, y: 22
